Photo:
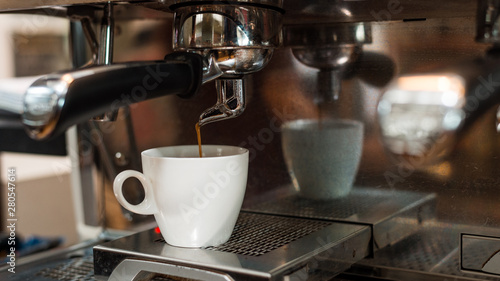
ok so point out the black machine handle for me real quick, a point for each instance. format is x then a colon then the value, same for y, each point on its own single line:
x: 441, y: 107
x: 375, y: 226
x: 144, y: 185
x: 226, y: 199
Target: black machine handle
x: 55, y: 102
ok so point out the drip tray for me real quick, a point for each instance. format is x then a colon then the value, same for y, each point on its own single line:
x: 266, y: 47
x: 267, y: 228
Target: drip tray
x: 392, y: 214
x: 262, y: 247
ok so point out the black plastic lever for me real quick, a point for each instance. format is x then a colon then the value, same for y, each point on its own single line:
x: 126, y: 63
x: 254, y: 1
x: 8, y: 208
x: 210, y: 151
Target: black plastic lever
x: 55, y: 102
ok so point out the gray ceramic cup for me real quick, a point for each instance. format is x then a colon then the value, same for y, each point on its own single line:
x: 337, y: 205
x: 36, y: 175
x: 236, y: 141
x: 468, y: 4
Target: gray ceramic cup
x: 322, y: 156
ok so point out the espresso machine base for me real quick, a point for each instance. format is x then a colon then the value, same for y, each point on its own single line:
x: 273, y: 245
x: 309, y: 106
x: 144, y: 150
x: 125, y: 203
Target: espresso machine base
x: 339, y: 241
x: 287, y: 237
x: 397, y: 213
x: 429, y: 254
x: 437, y: 251
x: 262, y: 247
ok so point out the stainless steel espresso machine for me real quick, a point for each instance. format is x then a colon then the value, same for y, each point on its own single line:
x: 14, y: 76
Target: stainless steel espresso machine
x: 422, y: 76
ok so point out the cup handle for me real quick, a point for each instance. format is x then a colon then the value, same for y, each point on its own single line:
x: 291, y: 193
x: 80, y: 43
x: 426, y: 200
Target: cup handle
x: 148, y: 205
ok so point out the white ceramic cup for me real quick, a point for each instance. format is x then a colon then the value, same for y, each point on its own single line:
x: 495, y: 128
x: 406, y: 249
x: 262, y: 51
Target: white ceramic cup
x: 195, y: 201
x: 322, y: 157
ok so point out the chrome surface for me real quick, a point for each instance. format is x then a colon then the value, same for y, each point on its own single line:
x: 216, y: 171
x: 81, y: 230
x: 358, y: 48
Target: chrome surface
x: 73, y: 96
x: 479, y: 254
x: 130, y: 269
x: 424, y: 115
x: 392, y: 215
x: 329, y: 58
x: 419, y: 114
x: 105, y: 53
x: 306, y: 12
x: 327, y: 35
x: 273, y: 3
x: 311, y: 244
x: 488, y: 21
x: 230, y: 101
x: 218, y: 26
x: 45, y: 98
x: 42, y: 104
x: 331, y: 62
x: 211, y: 70
x: 91, y: 39
x: 239, y: 39
x: 71, y: 263
x: 77, y: 269
x: 465, y: 186
x: 332, y: 49
x: 248, y: 239
x: 408, y: 37
x: 498, y: 119
x: 433, y: 253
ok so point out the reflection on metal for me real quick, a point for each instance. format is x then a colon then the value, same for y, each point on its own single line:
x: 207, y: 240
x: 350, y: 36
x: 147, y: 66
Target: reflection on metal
x: 488, y: 21
x: 109, y: 116
x: 240, y: 38
x: 332, y: 49
x: 105, y: 53
x: 424, y: 116
x: 419, y: 113
x: 480, y: 254
x: 75, y: 269
x: 91, y: 39
x: 105, y: 56
x: 129, y: 269
x: 272, y: 3
x: 41, y: 104
x: 306, y: 12
x: 54, y: 102
x: 436, y: 252
x: 393, y: 215
x: 498, y: 119
x: 236, y: 40
x: 329, y: 35
x: 466, y: 196
x: 211, y: 70
x: 328, y: 249
x: 230, y: 101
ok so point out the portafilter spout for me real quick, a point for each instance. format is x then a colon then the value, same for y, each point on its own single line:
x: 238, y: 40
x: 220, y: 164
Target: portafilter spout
x: 239, y: 38
x: 230, y: 101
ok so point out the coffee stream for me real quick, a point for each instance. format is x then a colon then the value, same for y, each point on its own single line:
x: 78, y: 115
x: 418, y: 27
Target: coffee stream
x: 198, y: 134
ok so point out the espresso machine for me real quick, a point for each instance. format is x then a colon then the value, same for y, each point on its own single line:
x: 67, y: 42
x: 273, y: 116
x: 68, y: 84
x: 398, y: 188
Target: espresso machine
x: 422, y: 76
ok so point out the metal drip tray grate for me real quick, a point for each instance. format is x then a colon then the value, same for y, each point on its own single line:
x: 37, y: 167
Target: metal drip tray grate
x: 421, y: 251
x: 366, y: 205
x: 265, y: 247
x: 78, y: 269
x: 255, y: 235
x: 392, y: 214
x: 432, y: 250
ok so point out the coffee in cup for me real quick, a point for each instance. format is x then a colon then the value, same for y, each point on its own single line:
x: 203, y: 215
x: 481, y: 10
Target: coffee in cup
x: 195, y: 201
